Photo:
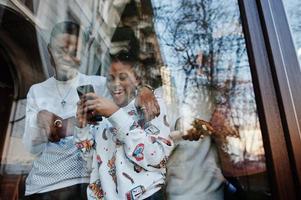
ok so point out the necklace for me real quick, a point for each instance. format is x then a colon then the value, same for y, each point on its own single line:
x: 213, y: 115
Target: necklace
x: 69, y: 82
x: 63, y: 101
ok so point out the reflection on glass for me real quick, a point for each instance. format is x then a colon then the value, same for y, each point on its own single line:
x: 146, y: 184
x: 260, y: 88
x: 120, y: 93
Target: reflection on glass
x: 293, y: 13
x: 192, y: 52
x: 207, y: 75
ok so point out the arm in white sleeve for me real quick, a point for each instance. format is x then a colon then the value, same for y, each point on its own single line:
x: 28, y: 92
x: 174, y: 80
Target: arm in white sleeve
x: 147, y: 147
x: 34, y: 138
x: 94, y: 177
x: 94, y: 190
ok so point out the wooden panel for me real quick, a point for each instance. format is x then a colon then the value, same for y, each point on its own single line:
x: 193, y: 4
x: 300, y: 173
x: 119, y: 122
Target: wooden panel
x: 287, y: 77
x: 278, y: 162
x: 10, y: 186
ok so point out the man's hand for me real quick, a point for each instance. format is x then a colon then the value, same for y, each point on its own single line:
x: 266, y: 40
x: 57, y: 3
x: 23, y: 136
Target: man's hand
x: 46, y: 121
x: 147, y: 102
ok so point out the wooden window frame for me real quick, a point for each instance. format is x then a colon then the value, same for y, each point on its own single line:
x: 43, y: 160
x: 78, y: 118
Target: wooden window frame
x: 276, y: 78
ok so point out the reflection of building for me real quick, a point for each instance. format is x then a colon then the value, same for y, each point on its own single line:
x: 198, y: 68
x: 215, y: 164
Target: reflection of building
x: 21, y: 66
x: 24, y: 34
x: 138, y: 15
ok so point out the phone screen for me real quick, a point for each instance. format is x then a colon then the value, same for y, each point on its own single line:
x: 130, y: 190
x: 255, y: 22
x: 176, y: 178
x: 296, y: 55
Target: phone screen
x: 84, y: 89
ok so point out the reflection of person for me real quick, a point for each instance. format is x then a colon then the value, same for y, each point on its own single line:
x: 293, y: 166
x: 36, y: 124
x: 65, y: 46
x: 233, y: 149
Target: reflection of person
x: 131, y: 153
x: 193, y: 170
x: 59, y: 171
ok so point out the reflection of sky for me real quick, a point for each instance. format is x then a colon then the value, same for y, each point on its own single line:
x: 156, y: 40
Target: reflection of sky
x: 227, y: 24
x: 164, y: 35
x: 293, y: 10
x: 170, y: 12
x: 221, y: 27
x: 226, y: 27
x: 227, y: 60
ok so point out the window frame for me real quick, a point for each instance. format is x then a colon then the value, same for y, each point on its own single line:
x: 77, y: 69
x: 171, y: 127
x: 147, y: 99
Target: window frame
x: 275, y: 72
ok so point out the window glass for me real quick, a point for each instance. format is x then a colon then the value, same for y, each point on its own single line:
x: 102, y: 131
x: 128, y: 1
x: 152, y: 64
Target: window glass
x: 207, y: 75
x: 192, y: 53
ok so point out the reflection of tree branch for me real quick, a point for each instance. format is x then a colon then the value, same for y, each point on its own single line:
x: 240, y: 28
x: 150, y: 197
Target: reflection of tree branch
x: 203, y: 27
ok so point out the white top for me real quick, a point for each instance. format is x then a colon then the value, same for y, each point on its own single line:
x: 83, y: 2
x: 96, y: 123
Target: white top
x: 130, y: 158
x: 58, y: 164
x: 193, y: 170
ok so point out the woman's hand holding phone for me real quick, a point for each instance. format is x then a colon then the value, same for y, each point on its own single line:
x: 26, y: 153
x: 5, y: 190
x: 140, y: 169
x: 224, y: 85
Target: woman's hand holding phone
x: 82, y: 90
x: 91, y: 105
x: 99, y: 105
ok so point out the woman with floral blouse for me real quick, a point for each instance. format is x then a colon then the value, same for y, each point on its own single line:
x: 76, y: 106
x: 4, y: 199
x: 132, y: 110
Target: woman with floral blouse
x: 129, y: 152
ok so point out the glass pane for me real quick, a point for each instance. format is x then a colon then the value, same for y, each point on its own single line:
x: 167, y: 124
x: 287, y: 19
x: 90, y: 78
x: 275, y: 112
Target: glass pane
x: 207, y: 76
x: 293, y: 12
x: 192, y: 53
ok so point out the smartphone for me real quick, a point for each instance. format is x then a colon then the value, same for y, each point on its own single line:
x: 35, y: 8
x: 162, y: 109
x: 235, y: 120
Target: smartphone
x: 82, y: 90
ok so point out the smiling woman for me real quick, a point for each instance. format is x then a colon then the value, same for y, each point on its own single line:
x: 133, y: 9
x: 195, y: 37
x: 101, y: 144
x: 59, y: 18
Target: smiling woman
x: 122, y: 80
x: 137, y: 149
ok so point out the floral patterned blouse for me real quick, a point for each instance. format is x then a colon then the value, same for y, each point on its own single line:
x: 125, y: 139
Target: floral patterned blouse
x: 129, y: 154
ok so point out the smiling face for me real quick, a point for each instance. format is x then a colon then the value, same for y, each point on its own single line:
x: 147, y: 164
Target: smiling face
x: 122, y: 82
x: 63, y: 50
